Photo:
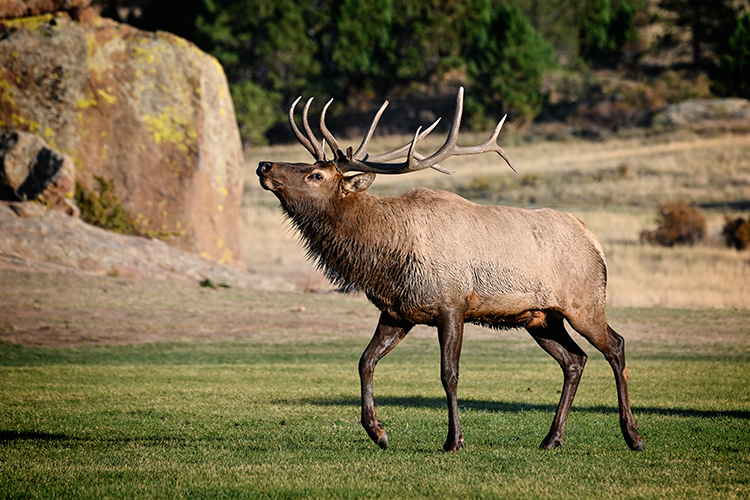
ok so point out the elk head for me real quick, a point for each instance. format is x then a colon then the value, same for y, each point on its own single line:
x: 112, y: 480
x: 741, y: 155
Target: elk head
x: 299, y: 184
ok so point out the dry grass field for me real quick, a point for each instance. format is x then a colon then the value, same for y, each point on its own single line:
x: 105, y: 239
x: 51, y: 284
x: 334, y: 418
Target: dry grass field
x: 613, y: 186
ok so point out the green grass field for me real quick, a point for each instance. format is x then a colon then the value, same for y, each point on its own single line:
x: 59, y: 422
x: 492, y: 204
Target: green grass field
x: 243, y: 418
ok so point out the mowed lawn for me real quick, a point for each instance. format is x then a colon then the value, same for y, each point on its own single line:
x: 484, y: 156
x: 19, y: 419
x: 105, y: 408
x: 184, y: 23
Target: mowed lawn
x: 248, y: 417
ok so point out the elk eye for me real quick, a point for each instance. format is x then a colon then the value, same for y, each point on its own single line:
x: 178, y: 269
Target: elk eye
x: 317, y: 176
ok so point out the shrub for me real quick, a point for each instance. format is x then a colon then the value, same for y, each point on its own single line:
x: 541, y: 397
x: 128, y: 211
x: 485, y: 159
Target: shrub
x: 675, y: 86
x: 103, y: 208
x: 679, y: 224
x: 736, y: 232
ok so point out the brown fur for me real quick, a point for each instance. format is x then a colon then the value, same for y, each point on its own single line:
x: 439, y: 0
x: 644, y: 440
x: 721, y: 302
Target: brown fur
x: 432, y: 257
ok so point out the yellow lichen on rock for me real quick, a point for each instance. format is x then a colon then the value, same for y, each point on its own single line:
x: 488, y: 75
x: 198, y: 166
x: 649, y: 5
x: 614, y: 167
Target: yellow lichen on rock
x: 49, y: 136
x: 97, y: 58
x: 225, y: 253
x: 145, y: 51
x: 108, y: 98
x: 85, y: 102
x: 30, y: 23
x: 22, y: 123
x: 226, y: 257
x: 172, y: 126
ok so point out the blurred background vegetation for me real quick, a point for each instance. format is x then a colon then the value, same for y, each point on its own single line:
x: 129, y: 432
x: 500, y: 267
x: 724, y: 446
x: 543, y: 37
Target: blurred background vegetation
x: 606, y: 61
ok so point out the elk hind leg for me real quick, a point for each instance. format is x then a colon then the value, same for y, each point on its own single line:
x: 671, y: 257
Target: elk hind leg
x: 388, y: 334
x: 612, y: 345
x: 549, y: 332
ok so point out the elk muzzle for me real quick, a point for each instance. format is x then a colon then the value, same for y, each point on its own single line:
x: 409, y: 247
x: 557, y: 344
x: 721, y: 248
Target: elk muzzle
x: 263, y: 167
x: 266, y: 182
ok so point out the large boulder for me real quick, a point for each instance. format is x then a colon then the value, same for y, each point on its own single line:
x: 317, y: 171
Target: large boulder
x: 700, y: 111
x: 149, y: 112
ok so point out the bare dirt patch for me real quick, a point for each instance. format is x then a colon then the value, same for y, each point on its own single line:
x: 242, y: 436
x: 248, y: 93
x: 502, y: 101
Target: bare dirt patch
x: 55, y: 309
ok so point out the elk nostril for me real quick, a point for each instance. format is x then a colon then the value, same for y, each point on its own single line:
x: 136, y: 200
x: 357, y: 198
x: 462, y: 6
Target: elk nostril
x: 263, y: 167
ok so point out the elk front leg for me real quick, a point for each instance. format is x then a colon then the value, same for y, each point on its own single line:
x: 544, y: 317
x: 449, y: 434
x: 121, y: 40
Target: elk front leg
x: 450, y: 335
x: 387, y: 335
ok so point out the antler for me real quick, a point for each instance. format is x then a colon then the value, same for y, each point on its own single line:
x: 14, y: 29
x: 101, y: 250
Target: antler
x: 361, y: 161
x: 310, y: 142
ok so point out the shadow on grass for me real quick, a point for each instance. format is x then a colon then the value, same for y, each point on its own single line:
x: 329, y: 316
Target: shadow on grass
x: 8, y: 437
x: 11, y: 436
x: 510, y: 407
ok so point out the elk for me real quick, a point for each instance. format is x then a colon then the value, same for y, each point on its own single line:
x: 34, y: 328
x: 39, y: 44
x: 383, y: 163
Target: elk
x: 434, y: 258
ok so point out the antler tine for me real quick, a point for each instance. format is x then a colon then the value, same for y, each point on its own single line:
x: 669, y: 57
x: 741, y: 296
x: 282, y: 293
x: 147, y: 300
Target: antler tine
x: 362, y: 161
x: 332, y: 143
x: 362, y: 149
x: 487, y: 146
x: 403, y: 150
x: 376, y: 164
x: 320, y: 153
x: 450, y: 149
x: 450, y: 142
x: 361, y: 153
x: 300, y: 137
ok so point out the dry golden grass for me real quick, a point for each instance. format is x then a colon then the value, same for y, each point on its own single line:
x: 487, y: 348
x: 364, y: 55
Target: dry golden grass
x: 703, y: 276
x: 613, y: 186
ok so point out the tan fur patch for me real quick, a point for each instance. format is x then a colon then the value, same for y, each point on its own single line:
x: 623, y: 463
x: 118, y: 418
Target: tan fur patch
x: 473, y: 301
x: 538, y: 319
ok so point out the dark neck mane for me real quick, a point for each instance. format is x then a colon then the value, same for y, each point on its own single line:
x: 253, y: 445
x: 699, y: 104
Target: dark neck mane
x: 358, y: 248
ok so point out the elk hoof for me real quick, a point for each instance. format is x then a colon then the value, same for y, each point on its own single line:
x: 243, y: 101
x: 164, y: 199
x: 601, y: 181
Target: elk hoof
x: 637, y: 446
x: 383, y: 440
x: 549, y: 444
x: 454, y: 446
x: 632, y: 438
x: 379, y: 435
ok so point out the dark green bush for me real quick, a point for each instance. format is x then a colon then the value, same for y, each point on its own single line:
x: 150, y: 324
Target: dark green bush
x: 605, y: 29
x: 257, y: 109
x: 506, y: 64
x: 732, y: 75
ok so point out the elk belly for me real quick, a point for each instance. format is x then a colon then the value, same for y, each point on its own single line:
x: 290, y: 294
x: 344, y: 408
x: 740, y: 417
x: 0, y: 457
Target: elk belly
x: 505, y: 311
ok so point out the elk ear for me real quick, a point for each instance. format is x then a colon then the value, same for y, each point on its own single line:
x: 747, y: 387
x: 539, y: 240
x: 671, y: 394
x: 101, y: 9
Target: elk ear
x: 356, y: 183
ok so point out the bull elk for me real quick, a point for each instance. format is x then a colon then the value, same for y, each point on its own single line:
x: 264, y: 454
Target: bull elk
x: 432, y: 257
